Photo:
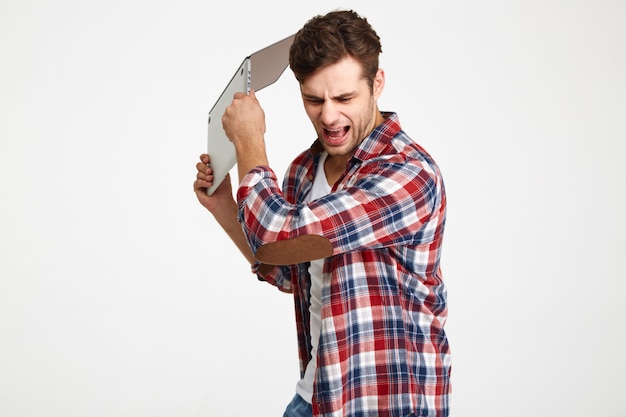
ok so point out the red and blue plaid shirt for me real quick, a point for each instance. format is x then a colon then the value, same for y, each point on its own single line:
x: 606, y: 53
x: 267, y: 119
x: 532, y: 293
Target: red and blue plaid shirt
x: 383, y: 350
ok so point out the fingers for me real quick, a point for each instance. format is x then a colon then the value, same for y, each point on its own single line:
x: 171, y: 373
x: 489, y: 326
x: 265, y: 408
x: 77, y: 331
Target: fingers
x: 204, y: 168
x: 204, y: 176
x: 204, y: 164
x: 200, y: 185
x: 240, y: 95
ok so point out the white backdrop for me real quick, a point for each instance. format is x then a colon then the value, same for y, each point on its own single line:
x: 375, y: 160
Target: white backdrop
x: 119, y: 296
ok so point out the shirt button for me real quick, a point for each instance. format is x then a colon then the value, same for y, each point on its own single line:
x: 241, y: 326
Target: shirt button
x: 310, y: 177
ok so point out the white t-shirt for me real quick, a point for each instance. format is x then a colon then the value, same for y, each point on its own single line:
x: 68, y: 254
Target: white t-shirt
x: 304, y: 387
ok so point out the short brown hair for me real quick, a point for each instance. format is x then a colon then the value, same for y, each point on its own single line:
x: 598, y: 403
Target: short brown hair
x: 325, y: 40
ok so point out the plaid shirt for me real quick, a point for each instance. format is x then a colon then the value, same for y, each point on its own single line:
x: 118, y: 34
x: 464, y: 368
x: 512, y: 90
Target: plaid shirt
x: 382, y: 350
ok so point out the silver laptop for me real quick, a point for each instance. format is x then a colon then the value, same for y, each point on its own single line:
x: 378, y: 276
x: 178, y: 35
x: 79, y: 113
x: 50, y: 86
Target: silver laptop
x: 256, y: 72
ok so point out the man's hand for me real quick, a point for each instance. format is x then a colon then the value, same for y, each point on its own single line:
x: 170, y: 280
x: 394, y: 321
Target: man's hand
x: 222, y: 196
x: 244, y: 121
x: 244, y: 124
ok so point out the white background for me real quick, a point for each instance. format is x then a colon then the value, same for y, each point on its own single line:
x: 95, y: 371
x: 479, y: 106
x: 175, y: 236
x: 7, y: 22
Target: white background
x: 119, y: 296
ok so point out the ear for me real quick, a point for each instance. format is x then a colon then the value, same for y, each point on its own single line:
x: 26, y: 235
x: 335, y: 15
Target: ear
x: 379, y: 83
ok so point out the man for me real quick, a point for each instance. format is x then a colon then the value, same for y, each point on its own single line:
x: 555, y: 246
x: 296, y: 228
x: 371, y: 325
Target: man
x: 355, y: 233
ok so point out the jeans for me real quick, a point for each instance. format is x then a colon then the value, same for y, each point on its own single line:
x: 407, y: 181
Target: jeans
x: 298, y: 408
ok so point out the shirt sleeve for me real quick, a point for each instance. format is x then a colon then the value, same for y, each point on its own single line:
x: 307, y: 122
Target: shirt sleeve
x: 383, y: 202
x: 278, y: 276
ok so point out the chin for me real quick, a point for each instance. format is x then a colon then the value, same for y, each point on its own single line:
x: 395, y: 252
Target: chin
x: 339, y: 150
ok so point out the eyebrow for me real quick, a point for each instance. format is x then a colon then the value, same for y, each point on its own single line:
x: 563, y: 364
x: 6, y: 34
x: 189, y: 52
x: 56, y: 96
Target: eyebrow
x: 339, y: 97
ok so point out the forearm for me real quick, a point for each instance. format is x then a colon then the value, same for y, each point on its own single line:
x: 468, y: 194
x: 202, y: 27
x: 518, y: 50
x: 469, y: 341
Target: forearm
x: 244, y: 124
x: 227, y: 219
x: 250, y: 156
x: 221, y: 205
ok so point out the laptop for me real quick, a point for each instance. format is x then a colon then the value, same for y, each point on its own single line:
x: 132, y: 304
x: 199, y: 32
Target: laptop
x: 256, y: 72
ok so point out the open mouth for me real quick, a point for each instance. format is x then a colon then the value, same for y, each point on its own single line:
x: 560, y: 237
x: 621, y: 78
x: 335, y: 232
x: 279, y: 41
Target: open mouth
x: 336, y: 136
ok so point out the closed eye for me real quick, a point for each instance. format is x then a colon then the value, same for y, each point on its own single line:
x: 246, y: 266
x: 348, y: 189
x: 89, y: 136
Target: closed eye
x: 314, y: 100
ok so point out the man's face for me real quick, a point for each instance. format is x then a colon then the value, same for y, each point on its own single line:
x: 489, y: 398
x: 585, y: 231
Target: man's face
x: 341, y: 105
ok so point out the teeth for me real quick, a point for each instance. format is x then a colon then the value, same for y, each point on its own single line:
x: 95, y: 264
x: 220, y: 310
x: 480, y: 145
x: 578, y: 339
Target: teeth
x: 334, y: 132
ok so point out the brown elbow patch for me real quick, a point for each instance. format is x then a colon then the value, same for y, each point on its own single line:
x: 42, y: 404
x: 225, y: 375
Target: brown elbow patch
x: 294, y: 251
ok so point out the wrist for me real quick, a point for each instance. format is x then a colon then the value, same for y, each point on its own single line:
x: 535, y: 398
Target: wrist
x: 249, y: 158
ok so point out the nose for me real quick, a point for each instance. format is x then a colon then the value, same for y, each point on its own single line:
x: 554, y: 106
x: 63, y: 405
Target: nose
x: 329, y: 113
